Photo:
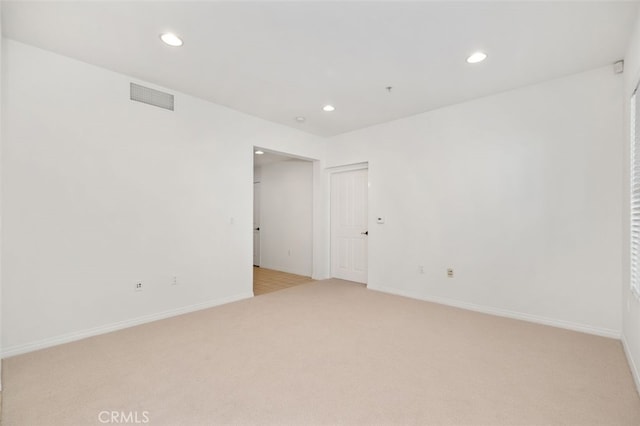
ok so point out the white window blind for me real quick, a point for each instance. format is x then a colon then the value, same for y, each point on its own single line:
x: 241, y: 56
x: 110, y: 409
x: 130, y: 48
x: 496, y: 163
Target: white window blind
x: 635, y: 193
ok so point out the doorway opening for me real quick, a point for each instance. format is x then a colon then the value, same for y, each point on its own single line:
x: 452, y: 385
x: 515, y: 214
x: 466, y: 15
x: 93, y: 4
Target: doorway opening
x: 282, y: 221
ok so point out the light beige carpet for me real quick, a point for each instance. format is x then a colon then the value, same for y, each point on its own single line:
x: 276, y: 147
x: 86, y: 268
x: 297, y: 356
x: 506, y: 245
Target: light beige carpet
x: 328, y: 352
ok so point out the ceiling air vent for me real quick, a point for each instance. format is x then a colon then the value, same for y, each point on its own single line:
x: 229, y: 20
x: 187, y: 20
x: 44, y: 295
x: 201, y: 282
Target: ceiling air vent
x: 151, y: 96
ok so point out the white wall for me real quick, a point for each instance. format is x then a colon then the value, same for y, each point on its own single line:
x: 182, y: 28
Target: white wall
x: 100, y: 191
x: 1, y: 137
x: 630, y: 304
x: 518, y: 192
x: 286, y: 213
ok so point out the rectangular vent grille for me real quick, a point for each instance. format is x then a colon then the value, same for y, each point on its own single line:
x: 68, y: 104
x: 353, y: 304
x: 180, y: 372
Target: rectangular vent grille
x: 151, y: 96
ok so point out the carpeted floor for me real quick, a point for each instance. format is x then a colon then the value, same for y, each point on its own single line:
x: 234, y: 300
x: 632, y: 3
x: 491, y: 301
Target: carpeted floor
x: 327, y: 352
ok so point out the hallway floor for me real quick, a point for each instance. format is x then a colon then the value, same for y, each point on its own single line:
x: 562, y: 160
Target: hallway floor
x: 268, y: 280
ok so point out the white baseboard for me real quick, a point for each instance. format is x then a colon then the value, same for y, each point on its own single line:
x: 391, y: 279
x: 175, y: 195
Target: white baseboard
x: 605, y: 332
x: 82, y: 334
x: 320, y: 277
x: 632, y: 363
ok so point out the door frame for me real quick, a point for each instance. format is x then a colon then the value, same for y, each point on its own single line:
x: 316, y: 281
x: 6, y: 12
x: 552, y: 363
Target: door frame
x: 317, y: 231
x: 341, y: 169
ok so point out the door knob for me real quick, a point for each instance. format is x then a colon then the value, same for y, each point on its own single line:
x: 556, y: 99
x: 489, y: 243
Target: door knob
x: 365, y: 233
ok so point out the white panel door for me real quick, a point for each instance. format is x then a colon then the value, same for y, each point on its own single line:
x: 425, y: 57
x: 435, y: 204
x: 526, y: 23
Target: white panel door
x: 256, y: 223
x: 349, y: 225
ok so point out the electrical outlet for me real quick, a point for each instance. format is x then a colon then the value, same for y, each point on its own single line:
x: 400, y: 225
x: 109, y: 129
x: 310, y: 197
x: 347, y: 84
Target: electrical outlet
x: 138, y: 286
x: 450, y: 272
x: 421, y: 269
x: 174, y: 280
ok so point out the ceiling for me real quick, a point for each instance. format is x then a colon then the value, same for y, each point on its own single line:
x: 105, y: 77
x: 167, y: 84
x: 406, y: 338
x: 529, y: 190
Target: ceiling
x: 280, y: 60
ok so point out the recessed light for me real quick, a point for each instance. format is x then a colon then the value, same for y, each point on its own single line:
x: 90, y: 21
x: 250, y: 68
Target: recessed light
x: 328, y: 108
x: 477, y: 57
x: 300, y: 119
x: 171, y: 39
x: 258, y: 152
